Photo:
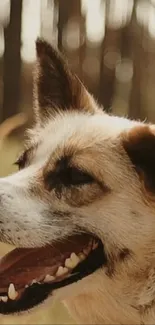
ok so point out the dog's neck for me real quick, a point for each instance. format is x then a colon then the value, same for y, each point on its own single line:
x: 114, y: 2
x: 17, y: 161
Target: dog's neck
x: 95, y: 309
x: 116, y: 302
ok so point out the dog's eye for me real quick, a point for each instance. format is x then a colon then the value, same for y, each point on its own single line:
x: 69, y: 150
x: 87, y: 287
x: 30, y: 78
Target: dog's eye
x: 21, y: 161
x: 67, y: 177
x: 75, y: 176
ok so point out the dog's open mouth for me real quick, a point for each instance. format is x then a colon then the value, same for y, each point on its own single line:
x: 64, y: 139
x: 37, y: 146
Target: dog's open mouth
x: 28, y: 276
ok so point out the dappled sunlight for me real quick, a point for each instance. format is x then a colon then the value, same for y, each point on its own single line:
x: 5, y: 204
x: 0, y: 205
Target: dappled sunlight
x: 95, y: 20
x: 146, y: 16
x: 119, y: 13
x: 30, y: 28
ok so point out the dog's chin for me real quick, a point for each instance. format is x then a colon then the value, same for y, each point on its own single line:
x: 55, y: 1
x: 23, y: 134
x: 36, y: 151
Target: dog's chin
x: 29, y: 276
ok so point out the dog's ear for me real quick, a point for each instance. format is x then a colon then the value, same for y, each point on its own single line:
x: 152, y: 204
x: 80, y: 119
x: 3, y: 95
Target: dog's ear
x: 55, y: 87
x: 139, y: 143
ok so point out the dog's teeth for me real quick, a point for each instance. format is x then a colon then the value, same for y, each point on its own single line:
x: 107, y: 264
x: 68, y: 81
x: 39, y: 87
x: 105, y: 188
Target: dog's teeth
x: 87, y: 250
x: 49, y: 278
x: 69, y: 263
x: 12, y: 293
x: 4, y: 298
x: 61, y: 271
x: 90, y: 243
x: 75, y: 259
x: 95, y: 245
x: 33, y: 281
x: 82, y: 257
x: 72, y: 262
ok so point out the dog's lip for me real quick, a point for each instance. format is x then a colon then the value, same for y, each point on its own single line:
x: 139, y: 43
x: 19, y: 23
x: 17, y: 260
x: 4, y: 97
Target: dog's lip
x: 38, y: 292
x: 22, y: 266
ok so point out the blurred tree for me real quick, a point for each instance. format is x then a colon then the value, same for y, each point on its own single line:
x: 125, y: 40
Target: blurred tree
x: 70, y: 12
x: 12, y: 61
x: 135, y: 36
x: 110, y: 50
x: 117, y: 68
x: 67, y: 10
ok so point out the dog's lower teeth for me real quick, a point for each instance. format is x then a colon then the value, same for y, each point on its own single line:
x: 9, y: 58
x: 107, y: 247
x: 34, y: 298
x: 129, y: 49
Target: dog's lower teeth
x: 12, y: 293
x: 4, y: 298
x: 49, y: 278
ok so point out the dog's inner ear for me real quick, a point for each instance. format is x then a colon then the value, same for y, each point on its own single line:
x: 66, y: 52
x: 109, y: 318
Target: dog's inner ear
x: 139, y: 144
x: 55, y: 87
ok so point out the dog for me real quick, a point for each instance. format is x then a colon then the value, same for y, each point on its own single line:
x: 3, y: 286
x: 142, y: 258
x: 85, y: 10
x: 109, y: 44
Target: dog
x: 81, y: 208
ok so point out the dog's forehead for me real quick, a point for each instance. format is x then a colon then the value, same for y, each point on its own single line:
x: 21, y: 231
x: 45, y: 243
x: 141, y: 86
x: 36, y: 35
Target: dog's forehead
x: 86, y: 129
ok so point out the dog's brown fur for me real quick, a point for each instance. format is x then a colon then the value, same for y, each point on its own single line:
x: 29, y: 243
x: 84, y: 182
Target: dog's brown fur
x: 118, y: 206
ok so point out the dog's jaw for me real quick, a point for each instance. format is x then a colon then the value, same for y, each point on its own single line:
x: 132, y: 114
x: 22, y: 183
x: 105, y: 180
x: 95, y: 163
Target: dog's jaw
x: 104, y: 305
x: 96, y: 309
x: 111, y: 302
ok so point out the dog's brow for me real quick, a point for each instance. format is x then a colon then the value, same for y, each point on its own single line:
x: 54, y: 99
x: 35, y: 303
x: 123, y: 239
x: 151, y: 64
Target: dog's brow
x: 29, y: 150
x: 30, y: 146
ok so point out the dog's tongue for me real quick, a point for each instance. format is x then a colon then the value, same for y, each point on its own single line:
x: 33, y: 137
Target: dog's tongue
x: 23, y: 266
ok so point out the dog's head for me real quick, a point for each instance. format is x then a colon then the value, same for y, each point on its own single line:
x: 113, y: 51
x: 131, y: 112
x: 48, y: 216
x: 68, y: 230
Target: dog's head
x: 81, y: 206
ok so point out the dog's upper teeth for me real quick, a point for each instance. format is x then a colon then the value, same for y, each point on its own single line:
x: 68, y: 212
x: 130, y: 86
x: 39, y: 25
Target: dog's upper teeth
x: 87, y: 250
x: 49, y: 278
x: 68, y: 263
x: 12, y: 293
x: 4, y: 298
x: 73, y: 261
x: 61, y: 271
x: 95, y: 245
x: 34, y: 281
x: 82, y: 257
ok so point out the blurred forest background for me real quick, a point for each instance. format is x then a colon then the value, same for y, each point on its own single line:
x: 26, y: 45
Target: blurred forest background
x: 110, y: 44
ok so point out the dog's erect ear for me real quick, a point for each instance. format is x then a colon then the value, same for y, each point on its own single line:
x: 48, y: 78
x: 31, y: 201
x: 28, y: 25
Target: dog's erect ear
x: 55, y: 87
x: 139, y: 144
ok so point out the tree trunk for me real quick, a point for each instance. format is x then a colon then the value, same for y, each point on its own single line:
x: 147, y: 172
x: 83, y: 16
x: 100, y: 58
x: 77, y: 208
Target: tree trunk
x: 12, y: 61
x: 110, y: 50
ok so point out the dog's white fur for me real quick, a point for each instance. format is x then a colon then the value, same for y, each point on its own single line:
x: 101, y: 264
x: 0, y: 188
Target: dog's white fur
x: 124, y: 218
